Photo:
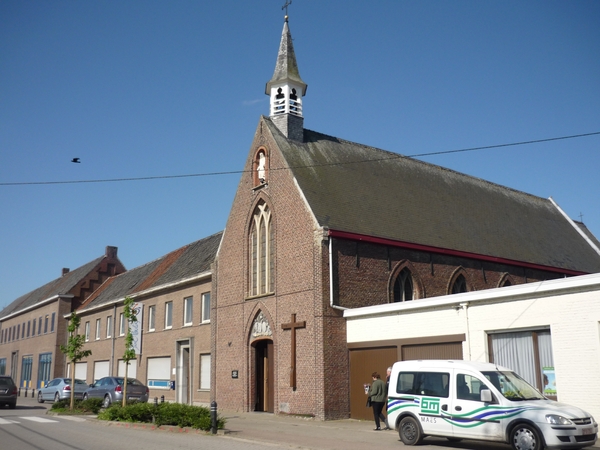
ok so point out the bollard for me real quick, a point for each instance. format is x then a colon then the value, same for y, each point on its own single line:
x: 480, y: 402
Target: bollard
x: 213, y: 417
x: 25, y: 392
x: 162, y: 398
x: 19, y: 394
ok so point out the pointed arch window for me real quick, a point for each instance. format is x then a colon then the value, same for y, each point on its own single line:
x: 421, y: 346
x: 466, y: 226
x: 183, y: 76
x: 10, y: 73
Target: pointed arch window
x: 459, y: 285
x: 262, y: 252
x: 403, y: 286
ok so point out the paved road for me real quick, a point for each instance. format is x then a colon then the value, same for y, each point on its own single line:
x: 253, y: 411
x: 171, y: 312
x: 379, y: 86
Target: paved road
x: 29, y: 427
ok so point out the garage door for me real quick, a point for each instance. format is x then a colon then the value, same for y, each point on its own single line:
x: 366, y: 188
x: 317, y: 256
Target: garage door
x: 445, y: 350
x: 363, y: 362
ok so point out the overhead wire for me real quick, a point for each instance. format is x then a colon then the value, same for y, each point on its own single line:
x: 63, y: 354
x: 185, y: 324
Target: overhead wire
x: 396, y: 156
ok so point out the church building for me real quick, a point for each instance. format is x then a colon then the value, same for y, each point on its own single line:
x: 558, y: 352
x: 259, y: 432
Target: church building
x: 320, y: 226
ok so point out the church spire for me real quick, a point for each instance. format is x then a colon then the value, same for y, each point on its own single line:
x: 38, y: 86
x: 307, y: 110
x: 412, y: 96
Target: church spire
x: 286, y: 89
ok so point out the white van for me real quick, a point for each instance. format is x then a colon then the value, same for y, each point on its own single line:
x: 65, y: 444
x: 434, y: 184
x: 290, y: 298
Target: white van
x: 474, y: 400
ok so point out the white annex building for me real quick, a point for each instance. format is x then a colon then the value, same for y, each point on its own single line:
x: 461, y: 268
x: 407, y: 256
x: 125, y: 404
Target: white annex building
x: 548, y: 331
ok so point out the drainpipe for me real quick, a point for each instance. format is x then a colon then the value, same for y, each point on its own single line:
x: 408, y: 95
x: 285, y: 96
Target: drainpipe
x: 465, y: 306
x: 331, y: 277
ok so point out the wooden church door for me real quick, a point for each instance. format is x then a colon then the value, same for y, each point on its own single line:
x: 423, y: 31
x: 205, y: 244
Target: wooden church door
x: 264, y: 376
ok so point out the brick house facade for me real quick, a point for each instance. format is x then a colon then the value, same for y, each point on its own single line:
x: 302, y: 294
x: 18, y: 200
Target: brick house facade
x: 32, y: 327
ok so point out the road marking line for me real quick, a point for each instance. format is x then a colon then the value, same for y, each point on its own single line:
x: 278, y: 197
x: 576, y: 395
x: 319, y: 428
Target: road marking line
x: 39, y: 419
x: 6, y: 422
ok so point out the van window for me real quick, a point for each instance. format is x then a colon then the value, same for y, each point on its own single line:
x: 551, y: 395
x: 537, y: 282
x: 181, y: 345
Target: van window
x: 512, y: 386
x: 468, y: 387
x: 434, y: 384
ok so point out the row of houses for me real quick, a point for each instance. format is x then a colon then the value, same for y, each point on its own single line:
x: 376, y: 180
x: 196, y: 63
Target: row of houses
x: 337, y: 259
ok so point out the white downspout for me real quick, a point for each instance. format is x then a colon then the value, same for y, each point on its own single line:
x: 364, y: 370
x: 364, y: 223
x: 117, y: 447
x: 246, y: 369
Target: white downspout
x: 331, y: 277
x: 465, y: 307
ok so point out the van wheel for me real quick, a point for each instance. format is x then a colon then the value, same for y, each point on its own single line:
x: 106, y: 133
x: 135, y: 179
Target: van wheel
x: 410, y: 431
x: 525, y: 437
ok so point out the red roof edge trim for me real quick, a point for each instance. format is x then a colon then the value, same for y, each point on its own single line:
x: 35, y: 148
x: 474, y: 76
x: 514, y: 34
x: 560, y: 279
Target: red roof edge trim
x: 446, y: 251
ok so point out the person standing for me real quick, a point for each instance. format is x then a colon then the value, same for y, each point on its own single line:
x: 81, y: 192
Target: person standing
x: 377, y: 396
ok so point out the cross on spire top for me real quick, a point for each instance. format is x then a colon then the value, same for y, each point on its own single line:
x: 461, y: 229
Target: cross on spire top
x: 287, y: 3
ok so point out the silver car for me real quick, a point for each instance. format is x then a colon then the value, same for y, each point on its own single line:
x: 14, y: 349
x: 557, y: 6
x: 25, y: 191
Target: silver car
x: 60, y: 389
x: 8, y: 392
x: 110, y: 389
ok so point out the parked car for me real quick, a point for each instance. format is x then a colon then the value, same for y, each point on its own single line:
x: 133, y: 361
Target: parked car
x: 110, y: 389
x: 60, y: 389
x: 8, y: 392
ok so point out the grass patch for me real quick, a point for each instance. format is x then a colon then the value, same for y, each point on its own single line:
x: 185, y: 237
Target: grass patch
x: 177, y: 414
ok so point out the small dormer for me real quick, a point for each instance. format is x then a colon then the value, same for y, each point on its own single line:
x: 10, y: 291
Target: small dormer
x: 286, y: 90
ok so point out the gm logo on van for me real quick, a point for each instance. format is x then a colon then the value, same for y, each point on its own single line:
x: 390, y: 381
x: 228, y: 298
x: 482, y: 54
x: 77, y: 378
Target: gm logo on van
x: 430, y: 405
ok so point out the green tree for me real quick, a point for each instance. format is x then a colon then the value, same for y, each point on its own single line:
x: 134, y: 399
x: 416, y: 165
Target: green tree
x: 130, y: 316
x: 74, y: 350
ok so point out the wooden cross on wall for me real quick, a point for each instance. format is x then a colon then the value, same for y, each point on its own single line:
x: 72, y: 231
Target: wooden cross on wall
x: 293, y: 325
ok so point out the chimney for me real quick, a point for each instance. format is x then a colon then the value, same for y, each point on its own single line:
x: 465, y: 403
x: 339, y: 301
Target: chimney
x: 65, y: 271
x: 111, y: 252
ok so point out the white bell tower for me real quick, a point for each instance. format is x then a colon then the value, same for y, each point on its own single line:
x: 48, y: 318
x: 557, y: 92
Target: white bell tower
x: 286, y: 90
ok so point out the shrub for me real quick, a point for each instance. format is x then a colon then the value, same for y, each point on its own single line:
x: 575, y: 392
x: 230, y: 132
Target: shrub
x: 163, y: 414
x: 90, y: 406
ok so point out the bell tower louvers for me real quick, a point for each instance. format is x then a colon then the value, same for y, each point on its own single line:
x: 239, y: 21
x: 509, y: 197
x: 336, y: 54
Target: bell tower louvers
x: 286, y: 90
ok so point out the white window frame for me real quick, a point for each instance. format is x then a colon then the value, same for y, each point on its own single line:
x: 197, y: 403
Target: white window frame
x: 109, y: 323
x: 159, y: 372
x: 168, y: 315
x: 87, y: 331
x: 188, y: 311
x: 121, y: 324
x: 152, y: 318
x: 98, y: 322
x: 205, y: 308
x: 205, y: 372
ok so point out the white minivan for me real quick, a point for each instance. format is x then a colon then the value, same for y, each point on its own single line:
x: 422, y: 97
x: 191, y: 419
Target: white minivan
x: 475, y: 400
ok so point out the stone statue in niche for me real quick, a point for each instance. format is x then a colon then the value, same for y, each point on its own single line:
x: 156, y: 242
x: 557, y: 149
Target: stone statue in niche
x: 261, y: 327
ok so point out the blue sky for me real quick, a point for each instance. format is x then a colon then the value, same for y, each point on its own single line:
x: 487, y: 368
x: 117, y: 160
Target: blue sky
x: 156, y: 88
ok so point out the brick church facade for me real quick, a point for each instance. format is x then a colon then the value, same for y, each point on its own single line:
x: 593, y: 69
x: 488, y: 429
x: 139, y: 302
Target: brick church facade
x: 320, y: 225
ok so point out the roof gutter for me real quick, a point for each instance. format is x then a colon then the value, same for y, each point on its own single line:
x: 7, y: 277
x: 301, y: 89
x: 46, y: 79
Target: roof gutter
x: 195, y: 278
x: 37, y: 305
x: 448, y: 252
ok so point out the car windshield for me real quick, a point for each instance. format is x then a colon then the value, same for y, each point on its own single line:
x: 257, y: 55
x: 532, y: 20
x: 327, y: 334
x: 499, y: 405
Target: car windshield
x: 512, y: 386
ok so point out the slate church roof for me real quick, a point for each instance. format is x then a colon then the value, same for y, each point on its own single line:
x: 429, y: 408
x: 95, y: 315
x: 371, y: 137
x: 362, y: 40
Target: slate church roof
x: 363, y: 190
x: 181, y: 264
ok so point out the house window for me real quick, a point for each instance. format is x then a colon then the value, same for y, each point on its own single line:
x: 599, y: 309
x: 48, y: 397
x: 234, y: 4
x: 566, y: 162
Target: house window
x: 2, y: 366
x: 529, y: 353
x: 459, y: 285
x: 151, y: 318
x: 46, y: 324
x: 33, y: 327
x: 159, y: 372
x: 262, y: 252
x: 98, y: 329
x: 121, y: 324
x: 205, y: 372
x: 52, y: 323
x: 44, y: 366
x: 28, y: 328
x: 18, y: 331
x: 23, y: 331
x: 403, y: 286
x: 109, y: 326
x: 168, y: 315
x: 87, y: 331
x: 188, y: 308
x: 205, y: 307
x: 40, y: 326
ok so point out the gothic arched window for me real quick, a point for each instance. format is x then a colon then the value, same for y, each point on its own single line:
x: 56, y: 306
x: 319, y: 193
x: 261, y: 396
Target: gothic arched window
x: 403, y: 286
x: 262, y: 252
x: 460, y: 285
